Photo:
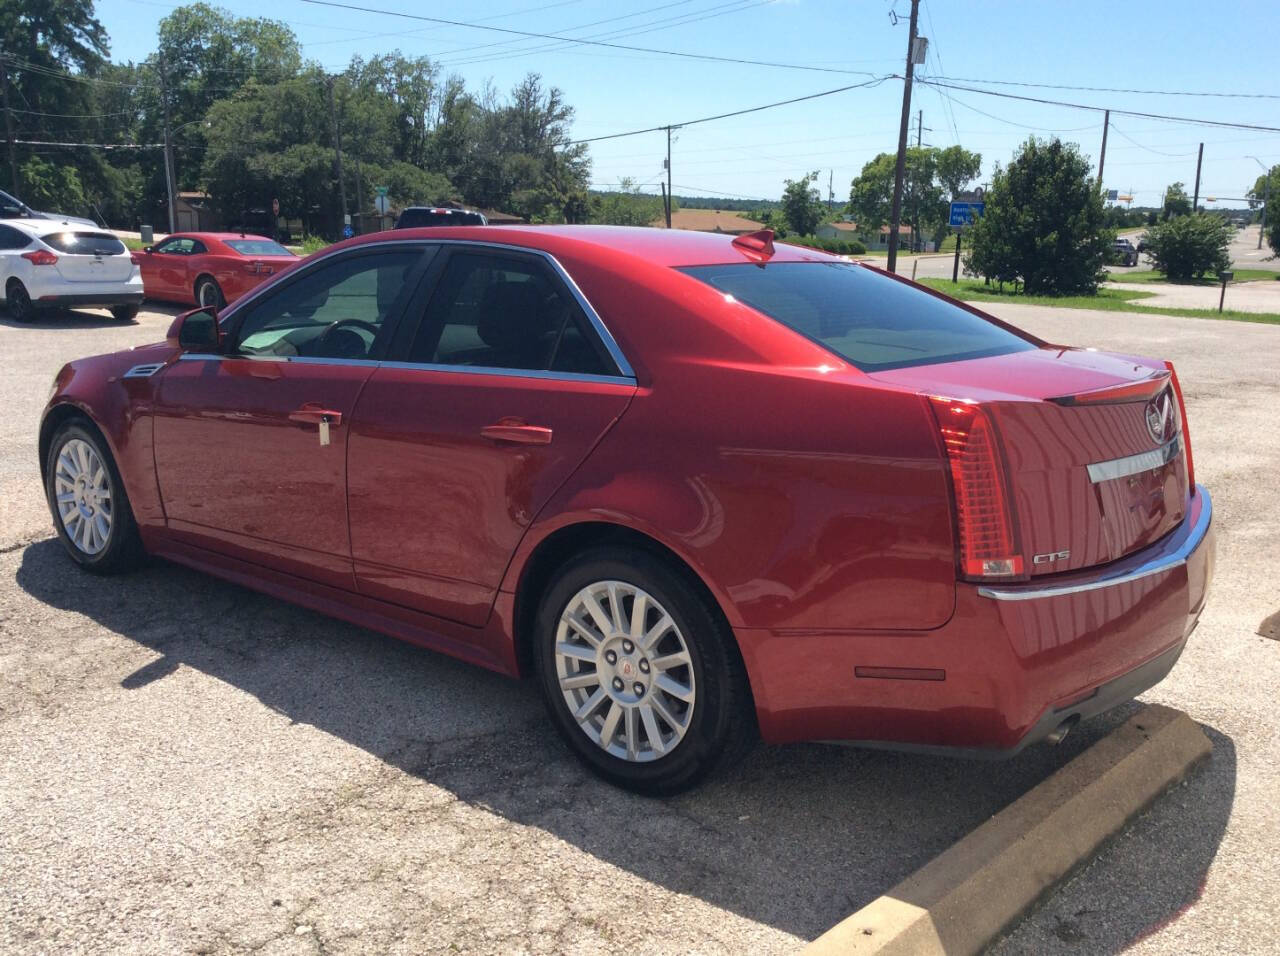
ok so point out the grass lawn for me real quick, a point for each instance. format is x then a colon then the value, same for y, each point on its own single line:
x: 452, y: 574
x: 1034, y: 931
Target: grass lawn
x: 1241, y: 275
x: 1107, y: 300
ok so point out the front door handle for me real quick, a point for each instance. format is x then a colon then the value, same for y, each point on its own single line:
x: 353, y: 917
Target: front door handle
x: 518, y: 431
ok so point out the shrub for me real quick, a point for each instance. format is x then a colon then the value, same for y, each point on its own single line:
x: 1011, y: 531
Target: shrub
x: 1043, y: 224
x: 1188, y: 247
x: 841, y: 247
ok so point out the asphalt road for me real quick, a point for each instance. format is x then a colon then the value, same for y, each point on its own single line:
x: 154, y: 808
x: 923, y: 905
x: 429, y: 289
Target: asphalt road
x: 188, y: 766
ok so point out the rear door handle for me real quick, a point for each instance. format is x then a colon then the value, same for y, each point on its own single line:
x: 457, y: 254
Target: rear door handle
x: 311, y: 414
x: 515, y: 430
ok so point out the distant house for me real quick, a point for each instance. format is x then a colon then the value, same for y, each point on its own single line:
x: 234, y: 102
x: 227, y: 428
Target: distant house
x: 194, y: 212
x: 496, y: 218
x: 710, y: 220
x: 851, y: 230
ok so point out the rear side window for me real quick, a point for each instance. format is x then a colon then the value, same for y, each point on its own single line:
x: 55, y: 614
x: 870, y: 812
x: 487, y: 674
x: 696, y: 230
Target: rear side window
x: 495, y: 311
x: 258, y: 247
x: 84, y: 243
x: 873, y: 321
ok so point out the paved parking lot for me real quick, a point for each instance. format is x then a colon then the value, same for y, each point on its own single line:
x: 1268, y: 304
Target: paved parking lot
x: 187, y: 766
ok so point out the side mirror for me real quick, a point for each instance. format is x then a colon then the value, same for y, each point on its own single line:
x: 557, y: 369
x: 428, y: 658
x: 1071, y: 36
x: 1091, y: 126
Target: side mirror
x: 196, y: 331
x: 148, y: 249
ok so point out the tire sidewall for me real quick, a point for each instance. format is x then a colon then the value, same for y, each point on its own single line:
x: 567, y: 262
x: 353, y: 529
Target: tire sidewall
x: 218, y: 301
x: 120, y: 551
x: 713, y: 671
x: 25, y: 312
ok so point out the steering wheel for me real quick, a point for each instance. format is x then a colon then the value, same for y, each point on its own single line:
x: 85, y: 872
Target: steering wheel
x: 323, y: 340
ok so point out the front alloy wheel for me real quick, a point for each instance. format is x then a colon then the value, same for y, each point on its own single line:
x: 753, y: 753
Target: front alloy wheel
x: 86, y: 496
x: 640, y: 672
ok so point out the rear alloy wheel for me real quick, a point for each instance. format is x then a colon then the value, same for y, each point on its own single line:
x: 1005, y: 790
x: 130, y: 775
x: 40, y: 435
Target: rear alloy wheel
x: 209, y: 294
x: 125, y: 313
x: 639, y: 674
x: 18, y: 301
x: 90, y: 509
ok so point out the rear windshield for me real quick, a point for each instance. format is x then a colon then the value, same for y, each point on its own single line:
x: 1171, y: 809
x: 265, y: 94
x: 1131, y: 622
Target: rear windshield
x: 258, y: 247
x: 84, y: 243
x: 420, y: 218
x: 871, y: 320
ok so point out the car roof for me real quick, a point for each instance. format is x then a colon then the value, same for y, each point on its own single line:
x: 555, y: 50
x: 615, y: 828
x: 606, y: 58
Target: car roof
x: 664, y: 247
x: 44, y: 227
x: 223, y: 236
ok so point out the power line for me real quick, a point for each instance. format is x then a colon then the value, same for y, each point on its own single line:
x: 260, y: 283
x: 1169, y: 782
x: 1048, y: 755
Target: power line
x: 1158, y: 152
x: 1108, y: 89
x: 40, y: 142
x: 707, y: 57
x: 707, y: 119
x: 1096, y: 109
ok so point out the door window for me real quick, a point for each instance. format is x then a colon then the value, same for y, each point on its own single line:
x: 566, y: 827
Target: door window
x: 177, y: 247
x: 338, y: 310
x: 11, y: 238
x: 507, y: 312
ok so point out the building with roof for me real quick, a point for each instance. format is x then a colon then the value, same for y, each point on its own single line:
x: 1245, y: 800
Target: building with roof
x: 710, y: 220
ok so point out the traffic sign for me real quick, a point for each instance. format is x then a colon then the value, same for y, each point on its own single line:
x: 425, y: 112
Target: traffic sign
x: 1112, y: 195
x: 381, y: 190
x: 964, y: 213
x: 382, y: 204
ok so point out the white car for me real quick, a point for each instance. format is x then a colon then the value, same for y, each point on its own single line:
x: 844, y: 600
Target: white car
x: 51, y: 264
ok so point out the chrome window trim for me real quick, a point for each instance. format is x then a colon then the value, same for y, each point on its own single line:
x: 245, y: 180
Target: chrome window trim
x: 417, y: 367
x: 1143, y: 461
x: 597, y: 323
x: 1156, y: 565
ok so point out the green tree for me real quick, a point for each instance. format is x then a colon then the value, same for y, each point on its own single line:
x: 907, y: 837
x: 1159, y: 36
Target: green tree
x: 802, y: 206
x: 931, y: 178
x: 625, y: 207
x: 1176, y: 201
x: 1189, y: 247
x: 1043, y: 224
x: 1257, y: 194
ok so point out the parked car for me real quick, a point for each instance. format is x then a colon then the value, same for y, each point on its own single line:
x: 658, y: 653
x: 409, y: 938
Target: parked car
x: 699, y: 487
x: 418, y: 217
x: 11, y: 207
x: 44, y: 264
x: 1125, y: 253
x: 209, y: 268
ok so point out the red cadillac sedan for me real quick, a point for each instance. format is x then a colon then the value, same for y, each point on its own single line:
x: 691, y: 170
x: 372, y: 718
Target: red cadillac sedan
x: 209, y: 268
x: 701, y: 488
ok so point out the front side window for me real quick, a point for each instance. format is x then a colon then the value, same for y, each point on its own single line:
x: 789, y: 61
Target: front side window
x: 506, y: 312
x: 873, y: 321
x: 177, y: 247
x: 337, y: 310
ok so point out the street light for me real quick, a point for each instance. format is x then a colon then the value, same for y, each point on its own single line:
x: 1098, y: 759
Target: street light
x: 1266, y: 193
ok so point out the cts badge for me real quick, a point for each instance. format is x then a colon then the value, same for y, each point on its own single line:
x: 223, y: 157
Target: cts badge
x: 1050, y: 557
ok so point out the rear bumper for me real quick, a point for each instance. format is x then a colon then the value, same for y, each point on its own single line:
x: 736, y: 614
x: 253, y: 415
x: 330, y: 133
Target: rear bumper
x: 1012, y: 665
x: 59, y: 301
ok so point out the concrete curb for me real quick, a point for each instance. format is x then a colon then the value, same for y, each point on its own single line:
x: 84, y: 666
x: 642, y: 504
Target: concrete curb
x: 963, y: 898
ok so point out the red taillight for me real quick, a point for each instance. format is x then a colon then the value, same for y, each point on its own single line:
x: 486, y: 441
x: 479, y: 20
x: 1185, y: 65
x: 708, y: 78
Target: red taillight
x: 983, y: 518
x: 41, y: 257
x: 1186, y: 435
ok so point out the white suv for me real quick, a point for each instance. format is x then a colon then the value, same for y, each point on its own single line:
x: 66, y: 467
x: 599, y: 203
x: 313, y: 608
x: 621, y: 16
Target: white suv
x: 48, y: 263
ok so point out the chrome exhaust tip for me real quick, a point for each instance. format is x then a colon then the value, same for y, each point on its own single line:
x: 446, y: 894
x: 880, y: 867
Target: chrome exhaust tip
x: 1059, y: 733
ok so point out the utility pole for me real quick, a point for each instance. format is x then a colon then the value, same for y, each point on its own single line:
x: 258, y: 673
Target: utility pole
x: 1199, y: 159
x: 895, y: 218
x: 8, y: 130
x: 337, y: 156
x: 1266, y: 196
x: 168, y: 147
x: 831, y: 191
x: 1102, y: 158
x: 669, y: 193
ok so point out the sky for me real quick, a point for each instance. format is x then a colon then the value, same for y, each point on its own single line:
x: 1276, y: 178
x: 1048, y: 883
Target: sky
x: 1170, y: 45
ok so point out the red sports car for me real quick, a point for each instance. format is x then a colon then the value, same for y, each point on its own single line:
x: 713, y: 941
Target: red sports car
x: 700, y: 487
x: 209, y: 268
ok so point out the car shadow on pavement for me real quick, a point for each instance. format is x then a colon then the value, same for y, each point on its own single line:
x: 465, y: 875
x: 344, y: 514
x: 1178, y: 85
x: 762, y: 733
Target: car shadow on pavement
x: 795, y: 837
x: 56, y: 319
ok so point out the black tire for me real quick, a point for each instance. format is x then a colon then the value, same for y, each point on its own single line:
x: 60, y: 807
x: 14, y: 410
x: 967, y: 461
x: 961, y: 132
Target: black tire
x: 209, y: 293
x: 125, y: 313
x: 122, y: 550
x: 18, y: 302
x: 721, y: 726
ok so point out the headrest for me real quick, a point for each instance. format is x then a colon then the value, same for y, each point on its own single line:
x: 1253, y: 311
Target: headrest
x: 511, y: 317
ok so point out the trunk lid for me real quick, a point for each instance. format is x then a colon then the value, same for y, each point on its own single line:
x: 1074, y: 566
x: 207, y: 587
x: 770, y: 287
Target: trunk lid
x: 88, y: 256
x: 1092, y: 476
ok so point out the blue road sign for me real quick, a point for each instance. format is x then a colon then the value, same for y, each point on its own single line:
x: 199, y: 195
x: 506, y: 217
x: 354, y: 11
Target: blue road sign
x: 964, y: 213
x: 347, y: 231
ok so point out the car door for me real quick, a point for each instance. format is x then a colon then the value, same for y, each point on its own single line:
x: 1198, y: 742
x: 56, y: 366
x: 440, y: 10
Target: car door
x: 251, y: 444
x: 12, y: 242
x: 164, y: 268
x: 480, y: 414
